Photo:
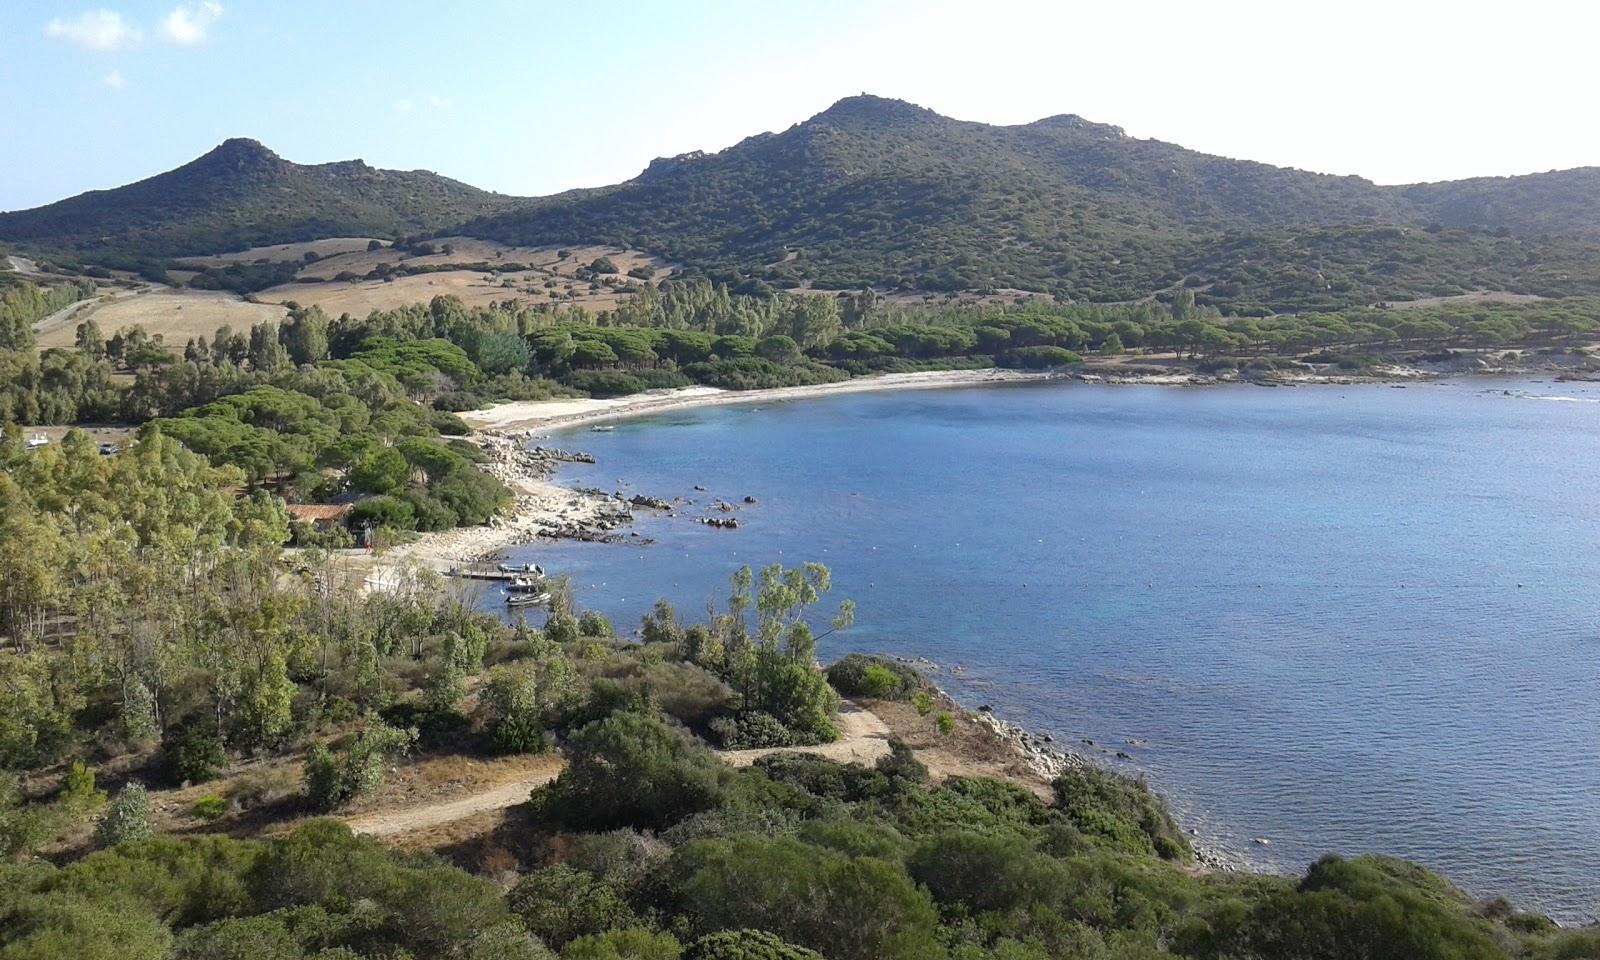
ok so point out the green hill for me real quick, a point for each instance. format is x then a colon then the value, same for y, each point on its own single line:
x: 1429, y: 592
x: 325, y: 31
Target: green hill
x: 241, y: 195
x: 884, y: 193
x: 875, y: 191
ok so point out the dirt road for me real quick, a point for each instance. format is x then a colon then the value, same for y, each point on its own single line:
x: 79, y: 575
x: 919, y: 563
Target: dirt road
x: 863, y: 739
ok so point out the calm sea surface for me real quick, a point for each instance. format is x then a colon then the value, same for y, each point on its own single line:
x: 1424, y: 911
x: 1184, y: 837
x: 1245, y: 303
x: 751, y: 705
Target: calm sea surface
x: 1332, y: 618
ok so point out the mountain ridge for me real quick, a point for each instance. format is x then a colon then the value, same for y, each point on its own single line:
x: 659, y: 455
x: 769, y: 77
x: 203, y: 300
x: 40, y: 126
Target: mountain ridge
x: 882, y: 192
x: 241, y: 194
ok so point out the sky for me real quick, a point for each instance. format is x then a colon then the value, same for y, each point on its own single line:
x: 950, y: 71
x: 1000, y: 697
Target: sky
x: 531, y: 98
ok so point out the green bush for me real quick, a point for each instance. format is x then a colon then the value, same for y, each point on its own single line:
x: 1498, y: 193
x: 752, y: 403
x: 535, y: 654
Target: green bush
x: 22, y: 827
x: 604, y: 383
x: 1037, y: 358
x: 747, y: 945
x: 632, y: 770
x: 752, y: 729
x: 1119, y: 812
x: 211, y: 807
x: 126, y: 818
x: 334, y: 779
x: 875, y: 678
x: 847, y: 908
x: 384, y: 511
x: 634, y: 943
x: 559, y: 904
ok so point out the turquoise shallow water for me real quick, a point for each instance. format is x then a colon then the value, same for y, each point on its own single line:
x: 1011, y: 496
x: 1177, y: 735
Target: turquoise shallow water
x: 1334, y: 618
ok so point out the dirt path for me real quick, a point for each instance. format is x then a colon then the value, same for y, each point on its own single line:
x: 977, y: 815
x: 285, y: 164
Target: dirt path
x: 389, y: 823
x: 863, y: 739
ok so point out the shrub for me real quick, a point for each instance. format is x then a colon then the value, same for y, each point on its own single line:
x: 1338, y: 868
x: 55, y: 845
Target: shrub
x: 604, y: 383
x: 138, y: 713
x: 515, y: 700
x: 239, y: 938
x: 632, y: 770
x: 383, y: 511
x: 602, y: 265
x: 634, y: 943
x: 747, y: 945
x: 211, y: 807
x: 752, y: 729
x: 847, y: 908
x: 1118, y: 812
x: 78, y: 792
x: 192, y: 754
x: 876, y: 678
x: 334, y: 779
x: 559, y: 904
x: 22, y: 828
x: 1037, y: 358
x: 127, y: 818
x: 594, y: 624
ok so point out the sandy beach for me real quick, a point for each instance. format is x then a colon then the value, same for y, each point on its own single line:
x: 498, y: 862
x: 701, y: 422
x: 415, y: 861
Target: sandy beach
x: 544, y: 509
x: 553, y: 414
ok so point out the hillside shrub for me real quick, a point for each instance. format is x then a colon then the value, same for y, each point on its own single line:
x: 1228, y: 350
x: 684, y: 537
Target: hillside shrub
x: 1037, y: 358
x: 126, y: 818
x: 1119, y: 812
x: 334, y: 779
x: 558, y: 904
x: 633, y: 770
x: 747, y: 945
x: 875, y: 678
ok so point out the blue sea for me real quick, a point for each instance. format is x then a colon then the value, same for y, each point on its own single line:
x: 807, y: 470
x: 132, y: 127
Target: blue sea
x: 1332, y: 618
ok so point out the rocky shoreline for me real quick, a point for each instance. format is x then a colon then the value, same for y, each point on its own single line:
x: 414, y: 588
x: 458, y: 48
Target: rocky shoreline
x: 1040, y: 755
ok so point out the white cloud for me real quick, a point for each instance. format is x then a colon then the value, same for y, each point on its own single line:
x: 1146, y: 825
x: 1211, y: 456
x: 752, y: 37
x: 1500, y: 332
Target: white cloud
x: 115, y: 80
x: 95, y: 30
x: 188, y: 26
x: 440, y: 103
x: 404, y: 106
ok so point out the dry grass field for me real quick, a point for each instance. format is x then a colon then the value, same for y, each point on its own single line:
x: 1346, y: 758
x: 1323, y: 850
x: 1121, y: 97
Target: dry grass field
x: 284, y: 252
x: 516, y: 274
x: 360, y: 297
x: 174, y: 315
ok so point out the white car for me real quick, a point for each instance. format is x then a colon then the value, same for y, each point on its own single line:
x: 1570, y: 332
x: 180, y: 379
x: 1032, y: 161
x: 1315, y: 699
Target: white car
x: 38, y: 440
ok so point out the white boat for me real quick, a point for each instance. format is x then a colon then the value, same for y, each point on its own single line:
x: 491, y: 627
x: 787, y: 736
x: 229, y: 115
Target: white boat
x: 601, y: 429
x: 526, y: 599
x: 532, y: 568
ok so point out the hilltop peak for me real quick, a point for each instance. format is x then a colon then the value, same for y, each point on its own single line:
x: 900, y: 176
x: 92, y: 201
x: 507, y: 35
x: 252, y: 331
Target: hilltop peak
x: 867, y: 108
x: 1071, y: 121
x: 243, y: 150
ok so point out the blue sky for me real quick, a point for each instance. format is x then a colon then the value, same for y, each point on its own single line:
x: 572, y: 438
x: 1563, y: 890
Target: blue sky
x: 534, y: 97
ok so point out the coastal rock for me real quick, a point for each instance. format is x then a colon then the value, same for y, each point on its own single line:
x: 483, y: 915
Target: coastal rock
x: 725, y: 523
x: 562, y: 456
x: 750, y: 500
x: 654, y: 503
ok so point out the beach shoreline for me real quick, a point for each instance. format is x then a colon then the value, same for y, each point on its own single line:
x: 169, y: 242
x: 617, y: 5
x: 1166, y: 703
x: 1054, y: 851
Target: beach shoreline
x: 545, y: 415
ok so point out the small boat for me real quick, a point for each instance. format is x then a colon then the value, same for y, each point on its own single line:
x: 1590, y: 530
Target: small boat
x: 604, y: 429
x: 526, y: 599
x: 526, y: 585
x: 532, y: 568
